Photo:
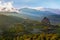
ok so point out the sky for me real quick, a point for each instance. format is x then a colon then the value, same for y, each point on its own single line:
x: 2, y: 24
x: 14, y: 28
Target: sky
x: 35, y: 3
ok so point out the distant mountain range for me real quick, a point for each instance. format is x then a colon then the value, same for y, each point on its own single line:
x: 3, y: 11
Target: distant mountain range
x: 38, y: 15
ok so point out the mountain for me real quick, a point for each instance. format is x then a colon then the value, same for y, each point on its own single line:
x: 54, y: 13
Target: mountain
x: 33, y: 14
x: 37, y: 15
x: 57, y: 11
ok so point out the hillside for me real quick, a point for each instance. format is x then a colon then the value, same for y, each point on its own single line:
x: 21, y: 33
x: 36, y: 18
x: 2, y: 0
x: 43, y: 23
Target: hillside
x: 14, y: 27
x: 6, y: 21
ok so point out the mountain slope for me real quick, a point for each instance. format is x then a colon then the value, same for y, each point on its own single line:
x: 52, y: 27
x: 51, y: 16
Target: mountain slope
x: 6, y: 21
x: 37, y: 15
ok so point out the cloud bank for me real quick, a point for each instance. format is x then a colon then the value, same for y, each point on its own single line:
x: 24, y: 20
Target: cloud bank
x: 7, y: 4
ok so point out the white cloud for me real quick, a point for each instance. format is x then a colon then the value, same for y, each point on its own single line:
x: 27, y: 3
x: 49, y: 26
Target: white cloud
x: 37, y: 8
x: 7, y: 6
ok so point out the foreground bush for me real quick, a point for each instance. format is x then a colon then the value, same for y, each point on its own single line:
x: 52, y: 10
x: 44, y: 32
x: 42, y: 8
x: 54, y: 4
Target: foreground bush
x: 33, y: 37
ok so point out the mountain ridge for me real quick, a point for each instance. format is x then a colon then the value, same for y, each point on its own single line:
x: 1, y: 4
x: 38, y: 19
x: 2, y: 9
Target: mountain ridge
x: 32, y: 14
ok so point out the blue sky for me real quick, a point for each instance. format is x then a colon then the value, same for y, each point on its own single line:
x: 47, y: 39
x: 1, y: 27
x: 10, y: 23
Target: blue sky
x: 36, y: 3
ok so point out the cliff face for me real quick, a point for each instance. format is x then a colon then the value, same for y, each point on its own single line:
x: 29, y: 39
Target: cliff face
x: 45, y: 21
